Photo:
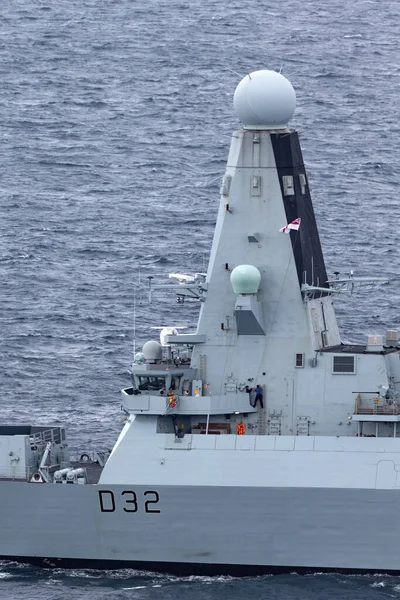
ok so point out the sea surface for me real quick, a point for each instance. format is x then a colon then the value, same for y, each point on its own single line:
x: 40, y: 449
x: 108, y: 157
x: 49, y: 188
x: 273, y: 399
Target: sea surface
x: 116, y: 118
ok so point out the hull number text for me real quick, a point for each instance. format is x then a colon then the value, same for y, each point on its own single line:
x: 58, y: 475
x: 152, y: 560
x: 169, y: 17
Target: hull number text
x: 129, y: 501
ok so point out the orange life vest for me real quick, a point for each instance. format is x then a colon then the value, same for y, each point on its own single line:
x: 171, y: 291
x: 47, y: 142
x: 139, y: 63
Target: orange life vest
x: 241, y: 428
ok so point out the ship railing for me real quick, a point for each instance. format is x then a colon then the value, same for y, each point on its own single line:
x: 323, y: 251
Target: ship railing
x: 371, y: 403
x: 45, y: 436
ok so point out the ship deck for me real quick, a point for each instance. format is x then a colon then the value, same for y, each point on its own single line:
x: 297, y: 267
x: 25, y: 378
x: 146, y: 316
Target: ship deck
x: 93, y: 471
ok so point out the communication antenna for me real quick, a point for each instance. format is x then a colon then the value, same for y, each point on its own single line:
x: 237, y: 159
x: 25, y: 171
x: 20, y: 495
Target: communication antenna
x: 150, y: 277
x: 134, y: 321
x: 312, y: 270
x: 235, y: 72
x: 134, y: 307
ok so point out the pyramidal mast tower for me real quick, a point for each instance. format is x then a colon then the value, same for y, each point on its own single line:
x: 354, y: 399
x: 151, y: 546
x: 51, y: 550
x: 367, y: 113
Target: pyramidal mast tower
x: 268, y: 302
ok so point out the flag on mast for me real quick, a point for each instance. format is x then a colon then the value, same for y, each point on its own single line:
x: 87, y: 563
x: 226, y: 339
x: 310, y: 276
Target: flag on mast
x: 293, y: 225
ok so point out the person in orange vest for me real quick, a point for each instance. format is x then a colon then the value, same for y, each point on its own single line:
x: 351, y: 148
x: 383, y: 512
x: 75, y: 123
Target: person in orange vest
x: 241, y: 428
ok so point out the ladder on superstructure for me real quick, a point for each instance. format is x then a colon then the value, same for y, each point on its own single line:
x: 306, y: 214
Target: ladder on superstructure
x: 261, y: 420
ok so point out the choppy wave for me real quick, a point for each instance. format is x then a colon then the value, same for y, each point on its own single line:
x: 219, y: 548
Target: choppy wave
x: 116, y: 124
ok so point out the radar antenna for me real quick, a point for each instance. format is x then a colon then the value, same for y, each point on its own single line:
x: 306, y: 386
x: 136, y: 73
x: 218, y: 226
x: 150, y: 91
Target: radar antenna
x: 187, y: 286
x: 351, y: 283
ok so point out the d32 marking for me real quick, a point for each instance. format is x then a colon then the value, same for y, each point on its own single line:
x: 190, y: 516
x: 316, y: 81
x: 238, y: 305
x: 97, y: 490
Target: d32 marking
x: 131, y: 502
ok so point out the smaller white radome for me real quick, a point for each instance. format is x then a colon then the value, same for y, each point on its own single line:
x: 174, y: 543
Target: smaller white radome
x: 264, y: 100
x: 139, y: 358
x: 245, y: 279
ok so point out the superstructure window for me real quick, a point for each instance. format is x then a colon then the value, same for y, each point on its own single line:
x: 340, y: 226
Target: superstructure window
x: 175, y: 381
x: 151, y: 383
x: 343, y: 364
x: 299, y: 360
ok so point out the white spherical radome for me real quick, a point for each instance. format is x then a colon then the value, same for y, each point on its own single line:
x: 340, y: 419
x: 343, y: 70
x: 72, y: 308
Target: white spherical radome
x: 152, y: 351
x: 264, y: 100
x: 245, y: 279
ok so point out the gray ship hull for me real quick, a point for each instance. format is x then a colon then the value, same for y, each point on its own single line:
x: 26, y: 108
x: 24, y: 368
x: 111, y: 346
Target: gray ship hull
x: 235, y: 530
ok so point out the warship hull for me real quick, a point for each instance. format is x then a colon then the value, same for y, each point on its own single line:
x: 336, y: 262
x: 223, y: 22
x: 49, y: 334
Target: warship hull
x: 258, y: 443
x: 201, y: 530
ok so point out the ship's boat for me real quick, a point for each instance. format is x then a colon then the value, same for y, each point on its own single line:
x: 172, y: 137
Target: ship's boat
x: 258, y: 442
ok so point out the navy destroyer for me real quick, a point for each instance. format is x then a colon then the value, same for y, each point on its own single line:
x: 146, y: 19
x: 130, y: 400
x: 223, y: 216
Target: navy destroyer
x: 257, y: 443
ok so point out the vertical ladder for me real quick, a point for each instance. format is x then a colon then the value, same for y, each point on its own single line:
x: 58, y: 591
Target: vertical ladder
x: 261, y: 420
x: 202, y: 367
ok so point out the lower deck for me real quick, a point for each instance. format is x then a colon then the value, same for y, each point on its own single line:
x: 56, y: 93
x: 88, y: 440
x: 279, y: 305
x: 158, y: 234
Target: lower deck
x: 92, y: 470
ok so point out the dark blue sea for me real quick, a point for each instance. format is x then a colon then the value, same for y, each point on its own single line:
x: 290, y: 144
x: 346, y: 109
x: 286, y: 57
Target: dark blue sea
x: 116, y: 118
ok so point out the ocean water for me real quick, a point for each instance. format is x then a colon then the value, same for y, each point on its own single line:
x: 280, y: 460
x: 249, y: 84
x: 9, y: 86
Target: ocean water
x: 116, y: 119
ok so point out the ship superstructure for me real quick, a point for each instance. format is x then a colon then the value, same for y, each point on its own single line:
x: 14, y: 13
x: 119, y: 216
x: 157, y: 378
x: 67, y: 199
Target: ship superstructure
x: 259, y: 442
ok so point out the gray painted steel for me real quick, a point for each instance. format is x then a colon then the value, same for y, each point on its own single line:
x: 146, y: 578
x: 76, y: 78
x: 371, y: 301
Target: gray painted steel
x: 320, y: 528
x: 314, y: 482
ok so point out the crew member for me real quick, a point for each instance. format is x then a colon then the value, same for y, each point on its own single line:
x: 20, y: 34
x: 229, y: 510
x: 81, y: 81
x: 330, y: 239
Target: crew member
x: 252, y: 394
x: 241, y: 428
x: 259, y: 396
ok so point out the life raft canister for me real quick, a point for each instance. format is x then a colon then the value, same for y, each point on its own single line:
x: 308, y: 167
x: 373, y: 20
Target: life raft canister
x: 241, y: 428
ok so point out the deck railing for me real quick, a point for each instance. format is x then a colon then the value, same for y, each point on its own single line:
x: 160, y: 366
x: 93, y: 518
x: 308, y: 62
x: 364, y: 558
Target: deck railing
x: 47, y: 435
x: 371, y: 403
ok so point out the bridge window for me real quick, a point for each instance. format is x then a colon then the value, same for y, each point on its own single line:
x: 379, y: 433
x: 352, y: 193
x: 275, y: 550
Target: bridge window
x: 151, y: 383
x: 344, y: 364
x: 175, y: 381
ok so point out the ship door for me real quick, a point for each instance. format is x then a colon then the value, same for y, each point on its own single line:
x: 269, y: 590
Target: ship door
x: 385, y: 475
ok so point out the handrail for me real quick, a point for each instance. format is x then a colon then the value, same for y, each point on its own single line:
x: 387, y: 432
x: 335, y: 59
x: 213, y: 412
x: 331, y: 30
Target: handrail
x: 47, y: 435
x: 377, y: 405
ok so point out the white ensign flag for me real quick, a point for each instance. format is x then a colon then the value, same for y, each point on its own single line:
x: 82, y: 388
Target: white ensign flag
x: 293, y: 225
